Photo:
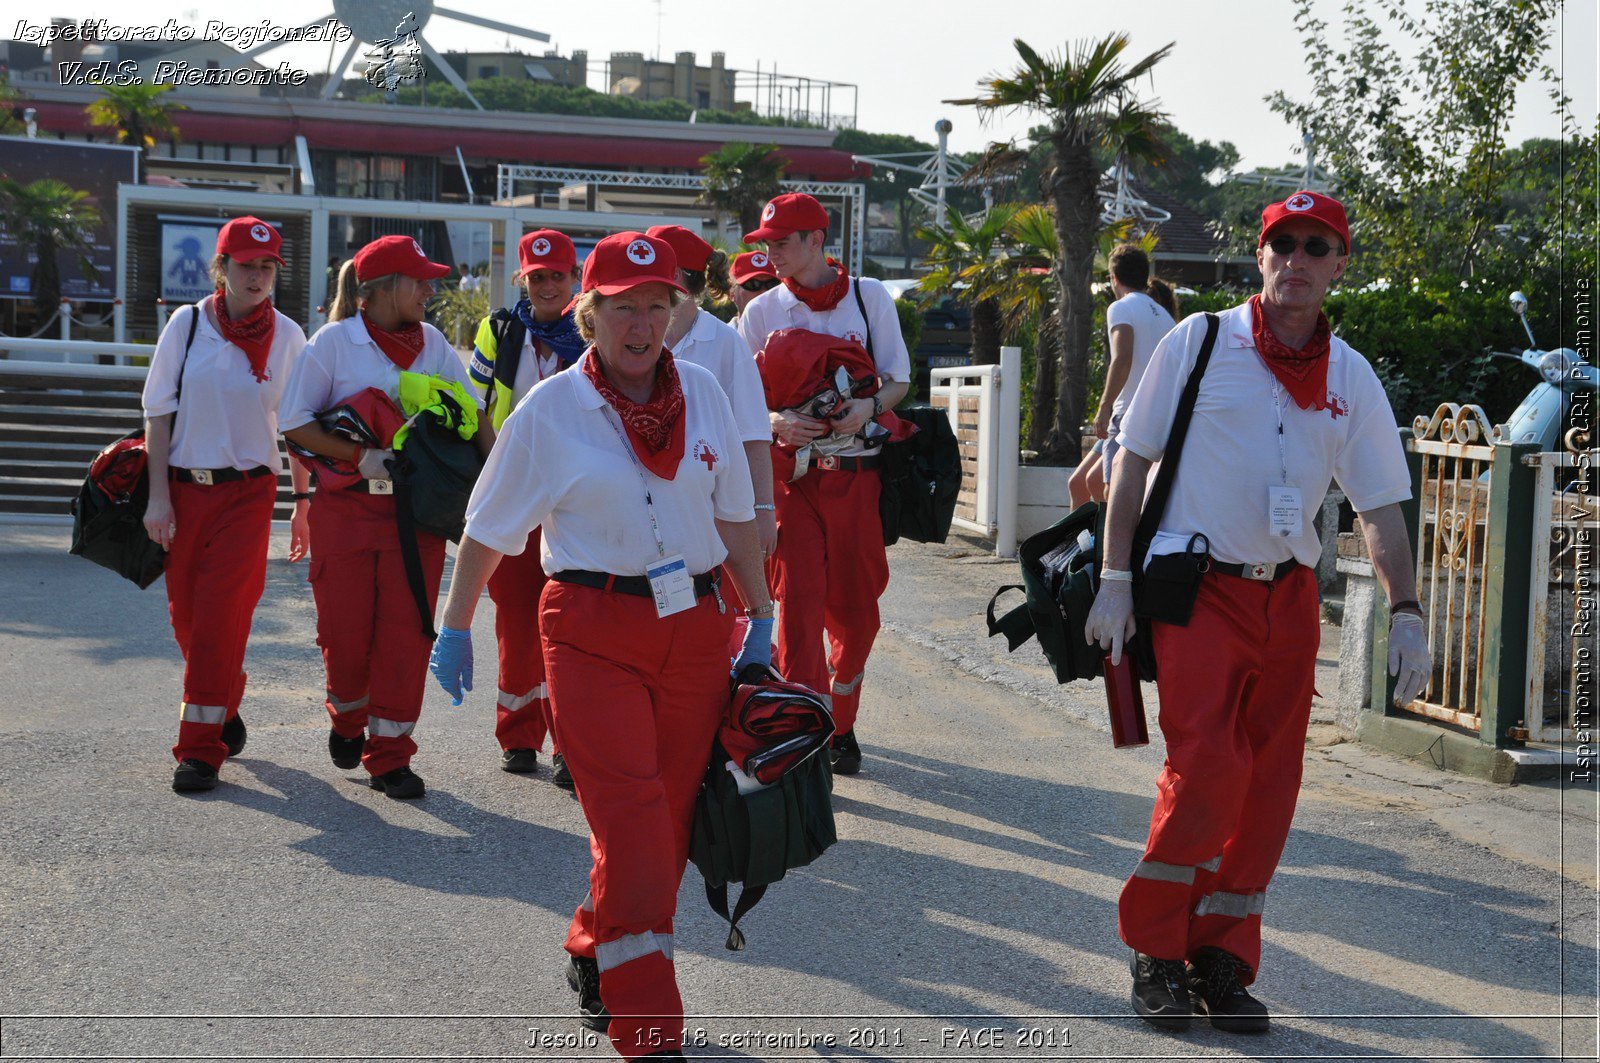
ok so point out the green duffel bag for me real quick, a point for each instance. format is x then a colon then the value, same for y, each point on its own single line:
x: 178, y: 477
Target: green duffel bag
x: 1058, y: 580
x: 756, y: 838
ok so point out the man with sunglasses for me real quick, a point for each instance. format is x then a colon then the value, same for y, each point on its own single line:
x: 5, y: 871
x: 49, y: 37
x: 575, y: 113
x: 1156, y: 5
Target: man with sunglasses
x: 752, y: 274
x: 1283, y: 409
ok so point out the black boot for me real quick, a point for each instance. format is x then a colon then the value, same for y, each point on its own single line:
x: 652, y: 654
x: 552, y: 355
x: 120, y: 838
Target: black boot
x: 561, y: 776
x: 845, y: 753
x: 192, y: 776
x: 233, y: 735
x: 346, y: 752
x: 520, y: 761
x: 1218, y: 992
x: 583, y: 975
x: 402, y: 784
x: 1161, y: 992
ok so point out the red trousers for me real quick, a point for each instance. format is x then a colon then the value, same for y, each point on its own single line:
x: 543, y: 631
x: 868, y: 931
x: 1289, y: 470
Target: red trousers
x: 1236, y: 689
x: 829, y: 571
x: 636, y: 701
x: 374, y: 651
x: 522, y: 717
x: 216, y: 571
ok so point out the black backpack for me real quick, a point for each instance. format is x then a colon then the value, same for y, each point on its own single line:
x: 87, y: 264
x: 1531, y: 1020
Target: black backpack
x: 921, y: 479
x: 434, y: 473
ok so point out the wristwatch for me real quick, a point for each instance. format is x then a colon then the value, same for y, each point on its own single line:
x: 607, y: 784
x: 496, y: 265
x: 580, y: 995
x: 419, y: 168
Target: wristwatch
x: 301, y: 496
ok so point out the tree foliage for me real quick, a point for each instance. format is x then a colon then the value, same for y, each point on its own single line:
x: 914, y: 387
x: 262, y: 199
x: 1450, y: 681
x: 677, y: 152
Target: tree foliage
x: 740, y: 178
x: 1086, y: 95
x: 139, y: 113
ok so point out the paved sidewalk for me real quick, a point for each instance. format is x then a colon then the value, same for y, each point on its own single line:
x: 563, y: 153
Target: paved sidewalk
x: 294, y: 912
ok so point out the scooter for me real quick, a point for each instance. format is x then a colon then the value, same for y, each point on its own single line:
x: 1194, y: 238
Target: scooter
x: 1542, y: 415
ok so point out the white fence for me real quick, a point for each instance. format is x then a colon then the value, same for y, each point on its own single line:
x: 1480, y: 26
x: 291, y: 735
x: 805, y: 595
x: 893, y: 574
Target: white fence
x: 984, y: 403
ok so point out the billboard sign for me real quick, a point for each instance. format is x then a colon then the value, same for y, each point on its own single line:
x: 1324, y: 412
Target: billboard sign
x: 93, y: 168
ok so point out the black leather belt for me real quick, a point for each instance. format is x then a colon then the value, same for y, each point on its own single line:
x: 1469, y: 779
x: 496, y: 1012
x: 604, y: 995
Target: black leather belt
x: 639, y: 586
x: 834, y: 463
x: 207, y: 477
x: 1266, y: 573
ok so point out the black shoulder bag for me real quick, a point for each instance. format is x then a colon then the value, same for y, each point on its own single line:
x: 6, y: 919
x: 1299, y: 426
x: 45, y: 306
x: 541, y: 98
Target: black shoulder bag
x: 1061, y: 565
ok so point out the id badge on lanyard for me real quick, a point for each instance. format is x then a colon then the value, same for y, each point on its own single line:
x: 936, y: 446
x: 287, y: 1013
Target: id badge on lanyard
x: 672, y: 585
x: 1285, y: 513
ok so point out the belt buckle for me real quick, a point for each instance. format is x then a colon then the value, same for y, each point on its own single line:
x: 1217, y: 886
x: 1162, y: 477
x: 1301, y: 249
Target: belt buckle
x: 829, y: 462
x: 201, y: 477
x: 380, y: 487
x: 1264, y: 573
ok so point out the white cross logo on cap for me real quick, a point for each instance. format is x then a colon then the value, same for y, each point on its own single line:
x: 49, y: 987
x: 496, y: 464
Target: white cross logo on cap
x: 766, y: 215
x: 1299, y: 201
x: 418, y: 249
x: 641, y: 252
x: 540, y: 247
x: 758, y: 260
x: 260, y: 233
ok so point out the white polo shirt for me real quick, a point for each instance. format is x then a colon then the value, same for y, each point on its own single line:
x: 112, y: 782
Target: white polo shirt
x: 589, y: 494
x: 227, y: 419
x: 778, y: 308
x: 1150, y: 323
x: 536, y: 363
x: 1231, y: 456
x: 342, y: 359
x: 716, y: 346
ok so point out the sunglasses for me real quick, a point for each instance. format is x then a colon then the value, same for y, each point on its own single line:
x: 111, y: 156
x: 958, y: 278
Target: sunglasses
x: 758, y: 285
x: 1316, y: 246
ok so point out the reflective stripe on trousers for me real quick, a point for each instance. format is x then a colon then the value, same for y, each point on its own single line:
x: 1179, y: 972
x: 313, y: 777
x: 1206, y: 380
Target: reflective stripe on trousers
x: 348, y: 706
x: 513, y: 703
x: 378, y: 727
x: 630, y: 947
x: 210, y: 714
x: 1155, y: 869
x: 1232, y: 905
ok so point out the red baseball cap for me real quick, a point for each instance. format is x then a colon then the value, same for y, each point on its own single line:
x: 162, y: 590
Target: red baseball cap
x: 1313, y: 205
x: 791, y: 212
x: 396, y: 254
x: 693, y: 253
x: 545, y: 249
x: 627, y: 260
x: 247, y: 239
x: 750, y: 265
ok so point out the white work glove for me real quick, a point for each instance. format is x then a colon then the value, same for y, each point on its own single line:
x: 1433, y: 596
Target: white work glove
x: 1408, y: 658
x: 373, y: 464
x: 1111, y: 621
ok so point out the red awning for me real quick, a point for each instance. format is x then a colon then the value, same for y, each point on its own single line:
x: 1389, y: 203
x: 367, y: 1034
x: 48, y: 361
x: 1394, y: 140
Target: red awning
x: 392, y: 138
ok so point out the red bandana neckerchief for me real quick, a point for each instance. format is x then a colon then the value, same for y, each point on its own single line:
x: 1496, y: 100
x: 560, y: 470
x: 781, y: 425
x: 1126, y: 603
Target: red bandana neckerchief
x: 252, y: 333
x: 1303, y: 372
x: 402, y: 345
x: 826, y: 297
x: 655, y: 428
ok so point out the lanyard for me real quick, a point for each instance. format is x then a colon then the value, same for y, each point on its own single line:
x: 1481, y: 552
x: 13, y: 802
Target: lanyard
x: 1277, y: 405
x: 649, y: 503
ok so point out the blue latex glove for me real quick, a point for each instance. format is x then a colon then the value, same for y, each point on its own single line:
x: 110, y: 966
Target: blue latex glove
x: 451, y: 662
x: 757, y: 645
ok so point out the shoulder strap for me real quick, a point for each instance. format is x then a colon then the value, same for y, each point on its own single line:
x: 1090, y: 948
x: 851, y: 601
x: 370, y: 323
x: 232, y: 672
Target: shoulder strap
x: 861, y: 305
x: 509, y: 332
x: 194, y: 319
x: 1156, y: 503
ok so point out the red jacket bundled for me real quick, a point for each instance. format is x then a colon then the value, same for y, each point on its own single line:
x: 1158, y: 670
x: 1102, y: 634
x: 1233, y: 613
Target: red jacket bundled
x: 799, y: 370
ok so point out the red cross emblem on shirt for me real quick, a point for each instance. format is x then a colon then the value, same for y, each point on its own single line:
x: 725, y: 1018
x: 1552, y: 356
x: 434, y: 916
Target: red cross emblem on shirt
x: 703, y: 452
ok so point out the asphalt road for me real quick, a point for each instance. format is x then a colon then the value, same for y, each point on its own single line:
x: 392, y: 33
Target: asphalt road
x: 969, y: 910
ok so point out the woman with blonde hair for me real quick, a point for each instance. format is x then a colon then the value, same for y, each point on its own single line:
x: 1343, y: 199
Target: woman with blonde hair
x: 374, y: 649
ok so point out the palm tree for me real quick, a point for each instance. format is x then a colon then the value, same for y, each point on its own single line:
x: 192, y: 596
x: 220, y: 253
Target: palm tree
x: 967, y: 262
x: 48, y: 217
x: 1087, y: 98
x: 138, y: 113
x: 740, y: 179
